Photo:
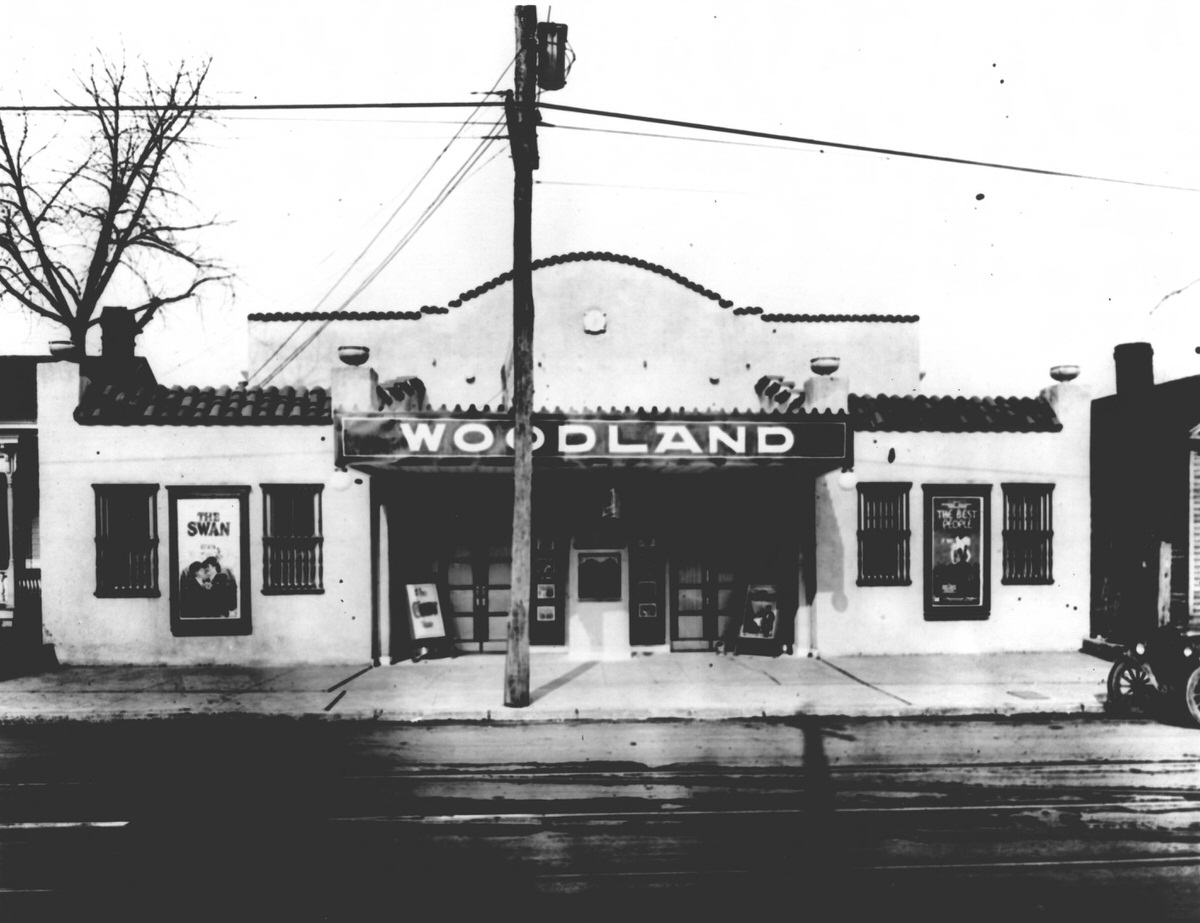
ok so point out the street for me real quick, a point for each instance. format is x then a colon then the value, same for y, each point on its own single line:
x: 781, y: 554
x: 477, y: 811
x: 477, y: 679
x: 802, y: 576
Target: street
x: 1080, y: 818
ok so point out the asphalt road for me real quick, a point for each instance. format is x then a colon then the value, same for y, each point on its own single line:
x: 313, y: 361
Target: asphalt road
x: 229, y: 818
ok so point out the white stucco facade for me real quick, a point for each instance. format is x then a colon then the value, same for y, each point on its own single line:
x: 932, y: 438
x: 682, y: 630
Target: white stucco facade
x: 331, y: 627
x: 663, y: 345
x: 851, y: 619
x: 611, y: 338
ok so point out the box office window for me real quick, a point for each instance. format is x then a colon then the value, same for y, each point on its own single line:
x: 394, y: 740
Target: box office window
x: 600, y: 577
x: 292, y: 539
x: 126, y: 539
x: 883, y: 534
x: 1028, y: 533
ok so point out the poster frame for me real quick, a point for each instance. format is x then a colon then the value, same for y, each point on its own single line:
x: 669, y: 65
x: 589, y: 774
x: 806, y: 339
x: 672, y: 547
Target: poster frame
x: 420, y: 631
x: 209, y: 627
x: 942, y: 611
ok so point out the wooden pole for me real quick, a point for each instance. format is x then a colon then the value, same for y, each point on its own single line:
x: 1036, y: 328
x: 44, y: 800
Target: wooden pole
x: 385, y: 586
x: 523, y: 140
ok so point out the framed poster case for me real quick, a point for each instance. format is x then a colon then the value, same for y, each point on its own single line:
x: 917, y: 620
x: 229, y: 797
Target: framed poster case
x: 758, y: 632
x: 425, y: 612
x: 957, y: 551
x: 210, y: 560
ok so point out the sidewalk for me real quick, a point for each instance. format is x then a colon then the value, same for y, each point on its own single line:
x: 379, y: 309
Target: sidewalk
x: 470, y: 688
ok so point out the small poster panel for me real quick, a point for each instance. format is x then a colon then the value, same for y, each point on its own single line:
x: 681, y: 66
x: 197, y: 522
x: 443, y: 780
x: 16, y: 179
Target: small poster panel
x: 424, y: 612
x: 210, y: 555
x: 956, y: 551
x: 761, y: 617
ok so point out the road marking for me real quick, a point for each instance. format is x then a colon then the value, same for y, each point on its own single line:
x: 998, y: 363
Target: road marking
x: 673, y: 812
x: 1187, y: 859
x: 1180, y: 859
x: 64, y: 825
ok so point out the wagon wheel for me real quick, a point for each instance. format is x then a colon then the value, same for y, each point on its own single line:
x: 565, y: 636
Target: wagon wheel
x: 1129, y: 686
x: 1191, y: 692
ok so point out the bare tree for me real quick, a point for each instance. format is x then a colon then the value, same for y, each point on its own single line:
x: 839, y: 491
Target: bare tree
x: 110, y: 208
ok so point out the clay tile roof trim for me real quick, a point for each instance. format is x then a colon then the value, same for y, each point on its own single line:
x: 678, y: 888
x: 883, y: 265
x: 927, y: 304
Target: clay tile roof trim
x: 177, y: 406
x: 582, y: 257
x: 915, y: 413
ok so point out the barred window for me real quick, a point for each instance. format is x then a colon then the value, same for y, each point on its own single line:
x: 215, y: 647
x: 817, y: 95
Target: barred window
x: 1028, y: 534
x: 126, y: 539
x: 292, y: 540
x: 883, y: 534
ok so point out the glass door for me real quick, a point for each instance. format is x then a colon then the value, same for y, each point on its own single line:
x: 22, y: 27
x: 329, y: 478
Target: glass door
x: 704, y: 603
x: 479, y: 582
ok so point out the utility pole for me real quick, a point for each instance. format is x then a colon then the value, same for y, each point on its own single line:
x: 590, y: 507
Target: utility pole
x: 521, y: 111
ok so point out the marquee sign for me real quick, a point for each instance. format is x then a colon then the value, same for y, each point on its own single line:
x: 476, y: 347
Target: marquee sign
x: 417, y: 437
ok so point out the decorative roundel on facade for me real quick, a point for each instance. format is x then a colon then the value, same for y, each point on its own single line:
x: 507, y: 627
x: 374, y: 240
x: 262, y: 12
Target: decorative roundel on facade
x: 595, y: 321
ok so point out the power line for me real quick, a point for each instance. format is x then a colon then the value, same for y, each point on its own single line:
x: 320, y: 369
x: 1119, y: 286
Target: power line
x: 654, y: 120
x: 250, y: 107
x: 445, y: 193
x: 864, y: 148
x: 655, y: 134
x: 461, y: 128
x: 556, y: 182
x: 362, y: 253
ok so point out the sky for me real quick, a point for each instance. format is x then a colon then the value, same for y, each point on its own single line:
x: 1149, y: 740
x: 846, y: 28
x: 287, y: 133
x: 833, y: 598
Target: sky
x: 1011, y: 272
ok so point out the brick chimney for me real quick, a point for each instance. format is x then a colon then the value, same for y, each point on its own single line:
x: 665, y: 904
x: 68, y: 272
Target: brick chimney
x: 1135, y: 368
x: 117, y: 333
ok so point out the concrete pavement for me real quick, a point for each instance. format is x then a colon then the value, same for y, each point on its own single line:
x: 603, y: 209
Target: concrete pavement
x: 470, y: 688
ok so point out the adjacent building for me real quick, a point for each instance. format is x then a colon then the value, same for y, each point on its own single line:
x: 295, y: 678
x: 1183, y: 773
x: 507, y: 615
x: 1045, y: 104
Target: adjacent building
x: 1145, y: 480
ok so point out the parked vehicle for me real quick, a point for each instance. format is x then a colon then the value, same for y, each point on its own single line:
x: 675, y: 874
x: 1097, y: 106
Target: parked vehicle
x: 1163, y: 670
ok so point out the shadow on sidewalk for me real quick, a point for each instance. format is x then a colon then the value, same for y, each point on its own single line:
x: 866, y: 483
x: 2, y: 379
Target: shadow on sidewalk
x: 546, y: 688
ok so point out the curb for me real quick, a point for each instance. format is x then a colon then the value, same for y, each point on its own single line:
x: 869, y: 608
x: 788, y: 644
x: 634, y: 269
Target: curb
x: 503, y: 716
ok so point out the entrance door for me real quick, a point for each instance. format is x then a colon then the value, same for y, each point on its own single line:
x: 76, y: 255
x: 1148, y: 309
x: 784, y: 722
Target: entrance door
x: 479, y: 581
x: 704, y: 603
x: 479, y: 584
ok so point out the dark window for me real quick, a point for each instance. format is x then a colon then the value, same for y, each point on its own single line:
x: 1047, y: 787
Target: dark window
x: 126, y: 539
x: 883, y: 534
x: 1028, y: 533
x: 600, y: 577
x: 292, y: 540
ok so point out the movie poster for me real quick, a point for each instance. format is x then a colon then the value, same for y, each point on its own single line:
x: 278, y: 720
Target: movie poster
x: 957, y: 553
x: 210, y: 555
x: 209, y: 536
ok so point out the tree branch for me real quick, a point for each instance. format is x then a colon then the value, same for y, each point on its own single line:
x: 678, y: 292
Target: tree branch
x: 115, y: 200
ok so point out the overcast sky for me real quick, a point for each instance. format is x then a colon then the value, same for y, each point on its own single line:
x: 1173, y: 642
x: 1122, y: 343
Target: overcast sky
x: 1011, y: 272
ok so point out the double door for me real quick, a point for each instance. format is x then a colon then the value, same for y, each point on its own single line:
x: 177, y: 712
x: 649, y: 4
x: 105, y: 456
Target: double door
x: 477, y: 577
x: 707, y: 598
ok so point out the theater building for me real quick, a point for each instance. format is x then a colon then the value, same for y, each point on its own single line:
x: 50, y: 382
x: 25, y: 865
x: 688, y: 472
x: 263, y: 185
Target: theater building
x: 708, y: 477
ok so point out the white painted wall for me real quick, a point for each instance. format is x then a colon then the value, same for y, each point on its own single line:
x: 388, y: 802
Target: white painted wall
x: 333, y: 627
x: 890, y: 620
